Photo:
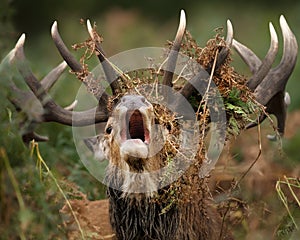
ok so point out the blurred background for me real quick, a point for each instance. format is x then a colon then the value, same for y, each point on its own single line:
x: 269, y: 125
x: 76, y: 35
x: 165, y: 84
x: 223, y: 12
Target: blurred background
x: 124, y: 25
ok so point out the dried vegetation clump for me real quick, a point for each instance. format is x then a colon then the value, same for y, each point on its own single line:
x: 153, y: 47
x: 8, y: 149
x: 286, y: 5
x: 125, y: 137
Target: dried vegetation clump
x: 237, y: 98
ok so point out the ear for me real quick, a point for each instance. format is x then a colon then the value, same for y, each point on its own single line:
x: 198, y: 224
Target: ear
x: 95, y: 145
x: 91, y: 143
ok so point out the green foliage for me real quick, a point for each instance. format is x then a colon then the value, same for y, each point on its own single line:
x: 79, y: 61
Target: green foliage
x: 237, y: 111
x: 36, y: 211
x: 39, y: 189
x: 42, y: 200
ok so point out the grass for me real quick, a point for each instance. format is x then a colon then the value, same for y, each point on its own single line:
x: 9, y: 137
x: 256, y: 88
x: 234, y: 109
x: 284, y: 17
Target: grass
x: 24, y: 215
x: 34, y: 188
x: 41, y: 164
x: 291, y: 185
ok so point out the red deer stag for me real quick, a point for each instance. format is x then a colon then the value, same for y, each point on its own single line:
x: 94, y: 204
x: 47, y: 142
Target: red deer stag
x: 142, y: 137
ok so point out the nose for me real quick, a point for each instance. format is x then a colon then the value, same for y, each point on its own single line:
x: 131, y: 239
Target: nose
x: 133, y: 101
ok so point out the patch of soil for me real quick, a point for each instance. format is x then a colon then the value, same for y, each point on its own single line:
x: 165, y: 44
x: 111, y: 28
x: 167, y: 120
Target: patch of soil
x: 93, y: 219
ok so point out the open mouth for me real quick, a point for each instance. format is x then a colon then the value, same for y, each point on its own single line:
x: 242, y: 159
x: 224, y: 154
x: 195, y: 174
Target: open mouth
x: 135, y: 127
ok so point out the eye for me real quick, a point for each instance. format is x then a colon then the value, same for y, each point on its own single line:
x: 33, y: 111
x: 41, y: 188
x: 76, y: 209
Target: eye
x: 108, y: 129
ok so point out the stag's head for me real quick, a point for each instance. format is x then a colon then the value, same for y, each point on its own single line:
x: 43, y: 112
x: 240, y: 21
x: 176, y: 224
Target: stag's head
x: 128, y: 138
x: 134, y: 144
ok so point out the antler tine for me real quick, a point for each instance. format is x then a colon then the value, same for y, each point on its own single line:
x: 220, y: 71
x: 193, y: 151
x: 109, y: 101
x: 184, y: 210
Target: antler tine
x: 248, y: 56
x: 198, y: 80
x: 229, y: 37
x: 107, y: 67
x: 258, y: 68
x: 269, y: 84
x: 72, y: 105
x: 70, y: 59
x: 172, y: 58
x: 63, y: 50
x: 28, y: 137
x: 23, y: 68
x: 225, y: 50
x: 52, y: 111
x: 50, y: 79
x: 266, y: 64
x: 277, y: 78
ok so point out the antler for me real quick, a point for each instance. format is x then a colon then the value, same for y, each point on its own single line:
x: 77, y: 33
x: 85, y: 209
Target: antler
x: 268, y: 85
x: 70, y: 59
x: 26, y: 101
x: 203, y: 74
x: 172, y: 58
x: 48, y: 110
x: 53, y: 112
x: 110, y: 73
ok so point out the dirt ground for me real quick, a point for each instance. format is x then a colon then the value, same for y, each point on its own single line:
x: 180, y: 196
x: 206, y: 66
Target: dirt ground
x: 257, y: 187
x: 92, y: 217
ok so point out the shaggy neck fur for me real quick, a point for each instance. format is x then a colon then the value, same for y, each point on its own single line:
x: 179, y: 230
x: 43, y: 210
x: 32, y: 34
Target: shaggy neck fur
x: 138, y: 216
x: 134, y: 218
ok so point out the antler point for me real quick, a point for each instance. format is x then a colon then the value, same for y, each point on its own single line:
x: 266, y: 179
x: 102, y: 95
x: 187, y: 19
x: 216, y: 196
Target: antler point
x: 90, y: 29
x: 273, y: 33
x: 282, y: 19
x: 229, y: 38
x: 182, y: 22
x: 54, y: 28
x: 21, y: 41
x: 64, y: 64
x: 284, y: 25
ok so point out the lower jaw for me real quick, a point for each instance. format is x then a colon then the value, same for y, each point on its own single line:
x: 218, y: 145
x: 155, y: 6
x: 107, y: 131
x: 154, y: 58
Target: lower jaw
x: 134, y: 149
x: 130, y: 184
x: 139, y: 184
